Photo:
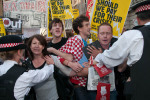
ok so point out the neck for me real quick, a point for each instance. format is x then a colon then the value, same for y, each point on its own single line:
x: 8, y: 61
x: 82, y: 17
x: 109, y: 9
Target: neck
x: 142, y: 22
x: 56, y: 39
x: 38, y: 57
x: 84, y: 36
x: 17, y: 60
x: 105, y: 46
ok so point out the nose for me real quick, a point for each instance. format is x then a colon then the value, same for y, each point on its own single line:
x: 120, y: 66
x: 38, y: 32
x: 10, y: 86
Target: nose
x: 37, y: 45
x: 105, y: 35
x: 89, y: 26
x: 57, y: 26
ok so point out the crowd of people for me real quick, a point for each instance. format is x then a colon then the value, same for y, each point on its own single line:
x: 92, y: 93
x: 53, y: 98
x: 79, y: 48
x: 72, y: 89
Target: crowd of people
x: 58, y: 69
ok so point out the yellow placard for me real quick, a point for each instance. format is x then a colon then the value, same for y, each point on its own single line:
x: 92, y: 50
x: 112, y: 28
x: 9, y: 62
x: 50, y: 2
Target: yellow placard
x: 113, y: 12
x: 2, y: 28
x: 61, y: 9
x: 75, y: 13
x: 49, y: 18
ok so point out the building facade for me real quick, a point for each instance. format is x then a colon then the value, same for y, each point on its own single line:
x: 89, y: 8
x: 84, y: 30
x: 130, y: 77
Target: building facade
x: 131, y: 17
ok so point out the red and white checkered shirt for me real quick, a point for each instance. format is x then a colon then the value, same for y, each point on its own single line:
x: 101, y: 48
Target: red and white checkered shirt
x: 74, y: 46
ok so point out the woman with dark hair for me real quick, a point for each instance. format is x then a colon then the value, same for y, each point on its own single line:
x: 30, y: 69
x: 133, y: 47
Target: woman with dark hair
x: 37, y: 50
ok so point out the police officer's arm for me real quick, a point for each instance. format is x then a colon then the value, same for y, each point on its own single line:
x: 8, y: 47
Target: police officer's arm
x: 31, y: 78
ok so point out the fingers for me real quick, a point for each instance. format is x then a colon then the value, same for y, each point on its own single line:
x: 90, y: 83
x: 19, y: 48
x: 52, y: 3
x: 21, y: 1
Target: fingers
x: 48, y: 59
x: 77, y: 67
x: 93, y: 47
x: 100, y: 49
x: 90, y: 49
x: 89, y: 53
x: 86, y: 64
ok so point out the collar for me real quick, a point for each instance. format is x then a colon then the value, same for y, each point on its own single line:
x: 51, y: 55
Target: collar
x: 6, y: 66
x: 10, y: 61
x: 148, y: 23
x: 78, y: 36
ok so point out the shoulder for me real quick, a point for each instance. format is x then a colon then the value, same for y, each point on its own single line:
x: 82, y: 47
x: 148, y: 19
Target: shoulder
x: 132, y: 34
x: 64, y: 39
x: 74, y: 39
x: 49, y: 44
x: 113, y: 40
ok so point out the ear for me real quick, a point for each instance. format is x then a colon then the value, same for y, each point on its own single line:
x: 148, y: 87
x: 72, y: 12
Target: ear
x: 138, y: 20
x: 79, y: 28
x: 50, y: 30
x: 19, y: 53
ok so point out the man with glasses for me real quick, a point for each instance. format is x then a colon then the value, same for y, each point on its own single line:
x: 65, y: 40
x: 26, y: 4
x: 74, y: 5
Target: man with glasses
x: 105, y: 36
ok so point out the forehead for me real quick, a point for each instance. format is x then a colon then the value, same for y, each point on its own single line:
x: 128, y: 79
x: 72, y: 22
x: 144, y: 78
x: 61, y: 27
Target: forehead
x: 105, y: 28
x: 85, y: 22
x: 35, y: 39
x: 57, y: 23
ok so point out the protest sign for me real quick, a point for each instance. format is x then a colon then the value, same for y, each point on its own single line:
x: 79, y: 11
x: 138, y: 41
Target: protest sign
x: 12, y: 25
x: 75, y: 13
x: 2, y: 29
x: 110, y: 11
x: 49, y: 18
x: 89, y: 8
x: 61, y: 9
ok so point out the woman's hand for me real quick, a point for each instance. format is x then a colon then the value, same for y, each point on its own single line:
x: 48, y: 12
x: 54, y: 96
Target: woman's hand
x: 49, y: 60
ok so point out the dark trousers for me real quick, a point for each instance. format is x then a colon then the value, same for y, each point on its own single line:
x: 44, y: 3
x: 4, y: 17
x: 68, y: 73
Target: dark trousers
x: 81, y: 93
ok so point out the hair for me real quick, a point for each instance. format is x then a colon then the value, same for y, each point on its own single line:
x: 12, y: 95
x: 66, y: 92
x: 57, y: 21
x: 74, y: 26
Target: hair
x: 43, y: 42
x: 8, y: 55
x: 78, y: 22
x: 145, y: 15
x: 107, y: 24
x: 55, y: 20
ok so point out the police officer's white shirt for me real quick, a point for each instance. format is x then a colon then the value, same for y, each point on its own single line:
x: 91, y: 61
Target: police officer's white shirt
x: 129, y: 45
x: 27, y: 79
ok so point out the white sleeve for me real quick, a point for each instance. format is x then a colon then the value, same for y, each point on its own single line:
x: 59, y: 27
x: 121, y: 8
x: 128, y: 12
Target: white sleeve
x: 129, y: 45
x: 31, y: 78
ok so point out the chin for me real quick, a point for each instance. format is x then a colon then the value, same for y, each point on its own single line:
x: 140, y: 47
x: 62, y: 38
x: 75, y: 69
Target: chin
x: 58, y: 35
x: 105, y: 43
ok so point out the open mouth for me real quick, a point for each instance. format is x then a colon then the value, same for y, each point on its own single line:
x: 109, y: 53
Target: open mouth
x: 105, y: 40
x: 57, y: 31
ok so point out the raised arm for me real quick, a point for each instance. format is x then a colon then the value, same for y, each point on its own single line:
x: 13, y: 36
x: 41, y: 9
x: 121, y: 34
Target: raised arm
x: 66, y: 56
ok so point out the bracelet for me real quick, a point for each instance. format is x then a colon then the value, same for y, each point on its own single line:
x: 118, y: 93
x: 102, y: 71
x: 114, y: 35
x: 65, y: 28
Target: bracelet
x: 68, y: 63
